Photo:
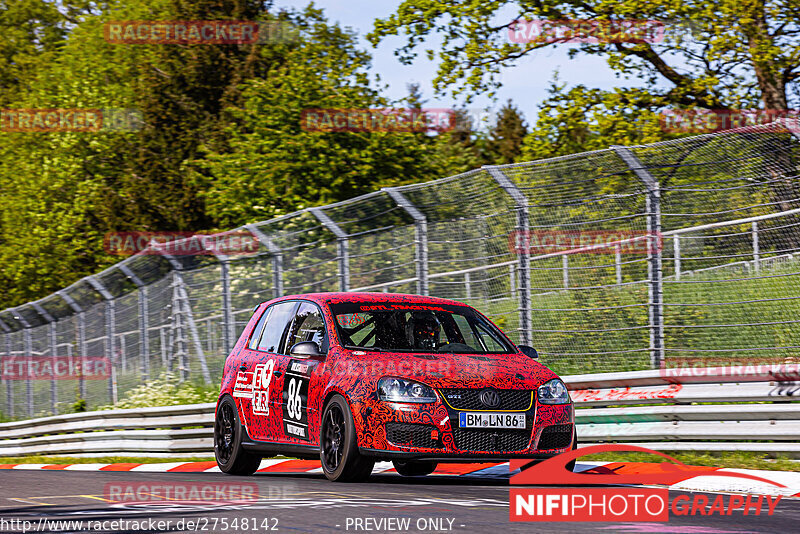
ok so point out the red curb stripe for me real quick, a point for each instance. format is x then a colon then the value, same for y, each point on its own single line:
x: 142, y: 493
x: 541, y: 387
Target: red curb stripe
x: 7, y: 466
x: 56, y: 467
x: 192, y: 467
x: 292, y: 466
x: 462, y: 469
x: 119, y: 467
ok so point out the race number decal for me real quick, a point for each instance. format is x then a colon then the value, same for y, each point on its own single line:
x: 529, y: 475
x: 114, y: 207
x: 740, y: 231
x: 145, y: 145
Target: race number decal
x: 295, y: 399
x: 261, y: 379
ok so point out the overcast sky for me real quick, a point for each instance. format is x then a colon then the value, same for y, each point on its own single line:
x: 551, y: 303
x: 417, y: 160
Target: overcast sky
x: 526, y: 84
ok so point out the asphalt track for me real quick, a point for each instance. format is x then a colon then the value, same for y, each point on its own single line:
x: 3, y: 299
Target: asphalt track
x: 310, y: 503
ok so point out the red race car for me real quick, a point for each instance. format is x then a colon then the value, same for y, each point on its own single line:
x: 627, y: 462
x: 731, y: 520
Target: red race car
x: 352, y: 378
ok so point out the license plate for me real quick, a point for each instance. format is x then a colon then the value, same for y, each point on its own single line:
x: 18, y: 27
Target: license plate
x: 491, y: 420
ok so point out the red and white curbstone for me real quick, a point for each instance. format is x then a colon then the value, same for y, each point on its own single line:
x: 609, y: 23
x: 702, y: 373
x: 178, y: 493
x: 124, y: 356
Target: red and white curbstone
x: 705, y: 483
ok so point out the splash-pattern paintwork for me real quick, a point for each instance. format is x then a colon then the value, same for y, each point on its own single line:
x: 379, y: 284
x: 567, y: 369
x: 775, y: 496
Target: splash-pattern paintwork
x: 354, y: 375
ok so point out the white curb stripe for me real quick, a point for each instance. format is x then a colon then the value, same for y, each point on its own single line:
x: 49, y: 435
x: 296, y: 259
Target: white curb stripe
x: 85, y: 467
x: 157, y: 468
x: 29, y: 466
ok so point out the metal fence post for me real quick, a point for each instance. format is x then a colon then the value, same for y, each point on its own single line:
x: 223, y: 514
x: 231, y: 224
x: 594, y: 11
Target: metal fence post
x: 53, y: 352
x: 177, y: 327
x: 618, y: 263
x: 110, y: 333
x: 343, y: 246
x: 420, y: 238
x: 227, y: 315
x: 144, y: 339
x: 522, y: 233
x: 9, y: 394
x: 654, y: 258
x: 756, y: 250
x: 565, y: 269
x: 677, y: 255
x: 277, y: 259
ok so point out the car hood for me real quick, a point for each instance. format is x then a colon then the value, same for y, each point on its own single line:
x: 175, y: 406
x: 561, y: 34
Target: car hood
x: 447, y: 370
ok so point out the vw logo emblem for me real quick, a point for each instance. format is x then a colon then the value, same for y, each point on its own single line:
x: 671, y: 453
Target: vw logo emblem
x: 490, y: 398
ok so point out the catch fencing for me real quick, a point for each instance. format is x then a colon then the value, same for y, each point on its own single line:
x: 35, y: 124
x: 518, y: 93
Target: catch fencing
x: 715, y: 281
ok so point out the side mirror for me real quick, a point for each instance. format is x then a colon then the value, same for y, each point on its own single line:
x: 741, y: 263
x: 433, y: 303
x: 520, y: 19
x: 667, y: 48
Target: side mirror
x: 306, y: 349
x: 530, y: 352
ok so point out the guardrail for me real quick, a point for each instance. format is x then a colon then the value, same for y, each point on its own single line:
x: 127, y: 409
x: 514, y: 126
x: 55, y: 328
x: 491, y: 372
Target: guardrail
x: 652, y: 409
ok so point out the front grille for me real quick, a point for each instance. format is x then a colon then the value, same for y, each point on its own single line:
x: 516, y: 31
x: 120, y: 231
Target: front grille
x: 411, y: 435
x: 491, y: 440
x: 470, y: 399
x: 555, y: 437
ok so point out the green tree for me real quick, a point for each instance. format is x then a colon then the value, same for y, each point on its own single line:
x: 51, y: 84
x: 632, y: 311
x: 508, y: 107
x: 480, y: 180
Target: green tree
x: 273, y: 163
x: 739, y: 53
x: 581, y: 119
x: 504, y: 144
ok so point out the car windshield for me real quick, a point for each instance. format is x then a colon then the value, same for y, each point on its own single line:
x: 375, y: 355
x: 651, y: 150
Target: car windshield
x: 400, y: 327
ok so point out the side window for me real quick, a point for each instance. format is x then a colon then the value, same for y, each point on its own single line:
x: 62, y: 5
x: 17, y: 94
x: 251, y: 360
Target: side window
x: 279, y: 319
x: 308, y: 325
x: 259, y: 328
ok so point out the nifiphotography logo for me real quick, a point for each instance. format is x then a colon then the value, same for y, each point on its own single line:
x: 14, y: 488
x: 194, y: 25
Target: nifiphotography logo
x: 616, y: 503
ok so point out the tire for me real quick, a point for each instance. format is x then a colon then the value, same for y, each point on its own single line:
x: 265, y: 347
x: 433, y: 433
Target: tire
x: 414, y: 468
x: 228, y: 432
x: 338, y: 450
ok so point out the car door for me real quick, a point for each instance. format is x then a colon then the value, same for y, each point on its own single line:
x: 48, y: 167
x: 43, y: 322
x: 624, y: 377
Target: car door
x: 307, y: 325
x: 265, y: 366
x: 244, y: 366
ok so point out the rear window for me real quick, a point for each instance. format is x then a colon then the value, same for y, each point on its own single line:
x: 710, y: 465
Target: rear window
x: 399, y: 327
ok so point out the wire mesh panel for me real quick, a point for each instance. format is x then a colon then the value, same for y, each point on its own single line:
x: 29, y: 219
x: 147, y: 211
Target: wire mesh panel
x: 734, y: 295
x: 15, y: 388
x: 587, y: 246
x: 308, y: 250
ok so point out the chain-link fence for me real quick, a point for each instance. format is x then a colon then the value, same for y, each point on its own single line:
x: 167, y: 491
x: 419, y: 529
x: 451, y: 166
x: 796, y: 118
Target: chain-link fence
x: 716, y: 278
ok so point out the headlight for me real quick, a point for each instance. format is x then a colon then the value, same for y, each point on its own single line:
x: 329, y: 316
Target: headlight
x: 399, y: 390
x: 553, y: 392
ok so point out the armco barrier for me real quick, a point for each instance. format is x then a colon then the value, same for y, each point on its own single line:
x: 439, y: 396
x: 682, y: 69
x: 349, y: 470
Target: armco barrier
x: 647, y: 408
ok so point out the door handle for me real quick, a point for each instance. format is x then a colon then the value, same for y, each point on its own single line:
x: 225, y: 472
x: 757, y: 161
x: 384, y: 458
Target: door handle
x: 277, y: 373
x: 243, y: 368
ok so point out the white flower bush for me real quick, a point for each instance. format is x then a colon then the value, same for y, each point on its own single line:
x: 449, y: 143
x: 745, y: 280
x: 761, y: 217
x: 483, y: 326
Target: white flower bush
x: 165, y: 391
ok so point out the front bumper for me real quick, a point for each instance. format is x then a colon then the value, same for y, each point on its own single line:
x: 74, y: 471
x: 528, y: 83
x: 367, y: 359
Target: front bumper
x: 431, y: 431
